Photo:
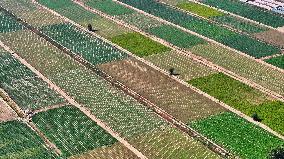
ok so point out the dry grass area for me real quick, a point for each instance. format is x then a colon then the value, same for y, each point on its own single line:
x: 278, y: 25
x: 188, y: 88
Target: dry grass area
x: 272, y: 36
x: 170, y: 95
x: 6, y: 113
x: 117, y: 151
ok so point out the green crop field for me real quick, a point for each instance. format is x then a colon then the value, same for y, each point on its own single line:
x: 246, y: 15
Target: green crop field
x: 72, y: 131
x: 19, y: 141
x: 201, y: 10
x: 134, y: 41
x: 231, y: 131
x: 167, y: 103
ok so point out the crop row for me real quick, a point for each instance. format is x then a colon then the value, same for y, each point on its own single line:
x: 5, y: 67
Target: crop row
x: 225, y: 36
x: 277, y: 61
x: 220, y: 17
x: 243, y: 98
x: 23, y: 86
x: 92, y: 49
x: 248, y: 11
x: 19, y: 141
x: 120, y: 112
x: 229, y: 130
x: 72, y: 131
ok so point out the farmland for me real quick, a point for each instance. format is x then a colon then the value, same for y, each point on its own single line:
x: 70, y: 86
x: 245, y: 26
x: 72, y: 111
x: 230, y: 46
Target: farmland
x: 159, y: 82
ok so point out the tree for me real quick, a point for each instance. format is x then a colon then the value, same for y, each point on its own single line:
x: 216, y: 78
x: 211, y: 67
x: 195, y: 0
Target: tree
x: 173, y: 71
x: 256, y: 117
x: 277, y: 153
x: 90, y: 28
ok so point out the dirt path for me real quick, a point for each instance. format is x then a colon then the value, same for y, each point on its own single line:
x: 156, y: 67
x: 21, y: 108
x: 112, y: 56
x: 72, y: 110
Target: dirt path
x: 50, y: 107
x: 73, y: 102
x: 281, y: 29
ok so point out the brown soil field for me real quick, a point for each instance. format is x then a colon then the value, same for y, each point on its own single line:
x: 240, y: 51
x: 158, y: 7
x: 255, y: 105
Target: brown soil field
x: 6, y: 114
x: 272, y: 36
x: 117, y: 151
x: 168, y: 94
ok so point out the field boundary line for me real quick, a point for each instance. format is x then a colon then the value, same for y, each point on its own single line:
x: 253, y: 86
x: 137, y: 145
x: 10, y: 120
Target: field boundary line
x: 50, y: 107
x: 24, y: 117
x: 272, y: 56
x: 200, y: 36
x: 74, y: 103
x: 177, y: 79
x: 162, y: 71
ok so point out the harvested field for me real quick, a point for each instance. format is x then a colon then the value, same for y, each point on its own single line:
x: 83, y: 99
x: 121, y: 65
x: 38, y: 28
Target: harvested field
x: 175, y: 98
x: 272, y: 36
x: 6, y: 113
x: 184, y: 66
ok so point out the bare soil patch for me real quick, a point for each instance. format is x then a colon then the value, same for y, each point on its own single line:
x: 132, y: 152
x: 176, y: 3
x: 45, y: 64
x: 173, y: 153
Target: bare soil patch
x: 175, y: 98
x: 272, y: 36
x: 6, y: 113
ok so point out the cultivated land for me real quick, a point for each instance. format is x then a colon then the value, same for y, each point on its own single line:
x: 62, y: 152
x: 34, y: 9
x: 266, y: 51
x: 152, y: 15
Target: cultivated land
x: 123, y: 84
x: 6, y: 113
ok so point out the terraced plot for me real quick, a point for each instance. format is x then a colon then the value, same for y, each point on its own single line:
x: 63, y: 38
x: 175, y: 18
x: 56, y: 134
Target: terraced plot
x: 19, y: 141
x: 9, y: 24
x: 23, y: 86
x: 231, y: 131
x: 72, y: 131
x: 272, y: 36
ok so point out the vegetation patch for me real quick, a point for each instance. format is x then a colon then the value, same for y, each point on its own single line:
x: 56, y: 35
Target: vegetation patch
x: 92, y: 49
x: 176, y: 36
x: 8, y: 24
x: 199, y: 9
x: 251, y: 69
x: 139, y: 44
x: 19, y: 141
x: 162, y: 143
x: 23, y: 86
x: 71, y: 130
x: 244, y: 98
x: 238, y: 135
x: 277, y: 61
x: 248, y: 11
x: 108, y: 6
x: 239, y: 24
